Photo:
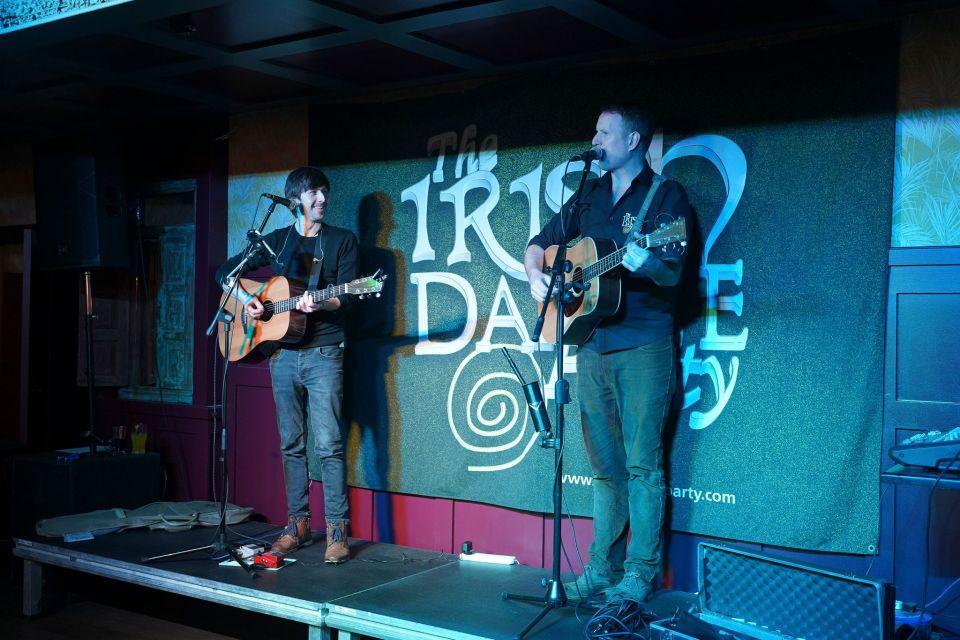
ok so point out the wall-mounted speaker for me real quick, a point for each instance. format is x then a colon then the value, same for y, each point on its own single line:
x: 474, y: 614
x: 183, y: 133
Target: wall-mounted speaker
x: 81, y: 213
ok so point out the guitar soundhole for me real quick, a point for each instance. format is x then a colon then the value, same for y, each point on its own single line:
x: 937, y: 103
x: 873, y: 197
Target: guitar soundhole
x: 267, y: 311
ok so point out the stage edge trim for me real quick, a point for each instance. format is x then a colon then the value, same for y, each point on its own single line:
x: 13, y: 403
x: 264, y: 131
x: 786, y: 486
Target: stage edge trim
x: 353, y: 621
x: 309, y: 613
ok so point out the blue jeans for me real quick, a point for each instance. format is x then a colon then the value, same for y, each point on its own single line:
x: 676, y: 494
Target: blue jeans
x: 308, y: 385
x: 624, y: 400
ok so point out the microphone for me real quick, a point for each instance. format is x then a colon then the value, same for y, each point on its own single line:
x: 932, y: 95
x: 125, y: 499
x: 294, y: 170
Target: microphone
x: 535, y: 404
x: 289, y: 203
x: 589, y: 156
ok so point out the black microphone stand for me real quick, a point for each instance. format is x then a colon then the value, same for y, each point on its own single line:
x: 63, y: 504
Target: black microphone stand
x: 220, y: 544
x: 88, y: 319
x: 555, y: 597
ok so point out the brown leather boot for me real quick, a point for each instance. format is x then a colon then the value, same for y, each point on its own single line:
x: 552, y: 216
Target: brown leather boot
x: 296, y: 535
x: 337, y: 549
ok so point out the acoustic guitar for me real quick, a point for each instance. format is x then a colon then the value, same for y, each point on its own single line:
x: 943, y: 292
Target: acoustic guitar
x: 598, y: 291
x: 281, y: 321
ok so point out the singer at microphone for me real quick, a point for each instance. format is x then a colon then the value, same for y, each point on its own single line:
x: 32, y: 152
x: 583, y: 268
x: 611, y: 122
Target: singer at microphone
x: 589, y: 156
x: 306, y: 366
x: 626, y: 363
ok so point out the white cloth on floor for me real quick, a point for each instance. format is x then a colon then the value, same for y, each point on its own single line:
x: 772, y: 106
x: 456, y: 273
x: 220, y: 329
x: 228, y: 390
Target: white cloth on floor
x: 170, y: 516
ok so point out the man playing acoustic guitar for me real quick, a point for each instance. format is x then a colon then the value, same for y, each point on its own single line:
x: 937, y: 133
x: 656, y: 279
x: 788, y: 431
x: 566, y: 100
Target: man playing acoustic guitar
x: 307, y: 375
x: 626, y: 369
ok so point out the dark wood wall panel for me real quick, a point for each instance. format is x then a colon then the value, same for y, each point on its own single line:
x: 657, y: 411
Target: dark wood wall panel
x: 921, y: 393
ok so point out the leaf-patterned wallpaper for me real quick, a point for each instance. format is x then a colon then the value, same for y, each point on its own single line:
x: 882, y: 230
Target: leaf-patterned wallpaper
x: 926, y: 191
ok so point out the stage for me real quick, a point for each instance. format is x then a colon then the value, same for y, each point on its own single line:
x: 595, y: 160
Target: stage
x: 385, y: 591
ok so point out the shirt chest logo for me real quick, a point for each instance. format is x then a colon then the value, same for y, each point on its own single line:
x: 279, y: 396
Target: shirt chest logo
x: 628, y: 221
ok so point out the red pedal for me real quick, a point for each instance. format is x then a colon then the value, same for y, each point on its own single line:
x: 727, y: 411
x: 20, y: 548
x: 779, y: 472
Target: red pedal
x: 269, y: 560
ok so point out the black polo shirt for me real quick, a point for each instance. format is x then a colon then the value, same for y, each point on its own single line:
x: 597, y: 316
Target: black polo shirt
x: 647, y: 309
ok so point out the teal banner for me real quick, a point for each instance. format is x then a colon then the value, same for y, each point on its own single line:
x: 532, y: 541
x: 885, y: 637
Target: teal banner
x: 787, y: 156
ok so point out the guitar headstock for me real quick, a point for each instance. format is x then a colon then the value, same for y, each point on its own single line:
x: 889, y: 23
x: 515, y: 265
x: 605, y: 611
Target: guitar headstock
x: 675, y: 231
x: 367, y: 286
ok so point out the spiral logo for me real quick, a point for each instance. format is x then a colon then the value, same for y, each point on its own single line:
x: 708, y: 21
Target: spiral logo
x: 487, y: 411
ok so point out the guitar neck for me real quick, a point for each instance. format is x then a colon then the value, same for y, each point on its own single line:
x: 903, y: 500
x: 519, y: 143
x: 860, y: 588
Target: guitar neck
x: 611, y: 260
x: 317, y: 296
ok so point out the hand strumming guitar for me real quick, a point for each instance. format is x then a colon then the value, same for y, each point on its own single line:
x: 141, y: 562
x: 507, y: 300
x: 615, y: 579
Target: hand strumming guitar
x: 539, y: 281
x: 253, y: 308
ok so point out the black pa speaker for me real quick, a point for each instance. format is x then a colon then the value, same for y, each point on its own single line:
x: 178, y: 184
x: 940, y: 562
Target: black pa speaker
x: 81, y: 215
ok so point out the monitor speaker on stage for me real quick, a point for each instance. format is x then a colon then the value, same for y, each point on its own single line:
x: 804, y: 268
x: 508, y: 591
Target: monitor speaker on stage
x: 81, y: 213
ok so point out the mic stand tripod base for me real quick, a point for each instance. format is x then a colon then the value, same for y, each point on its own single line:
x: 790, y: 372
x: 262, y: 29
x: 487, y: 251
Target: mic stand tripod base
x: 555, y: 598
x: 218, y: 546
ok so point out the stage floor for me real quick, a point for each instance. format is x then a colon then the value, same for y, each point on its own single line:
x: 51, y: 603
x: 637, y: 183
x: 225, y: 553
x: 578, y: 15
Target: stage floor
x: 385, y: 591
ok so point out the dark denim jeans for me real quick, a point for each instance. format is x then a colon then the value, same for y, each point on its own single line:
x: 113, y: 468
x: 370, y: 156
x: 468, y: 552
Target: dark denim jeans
x: 624, y: 400
x: 308, y: 385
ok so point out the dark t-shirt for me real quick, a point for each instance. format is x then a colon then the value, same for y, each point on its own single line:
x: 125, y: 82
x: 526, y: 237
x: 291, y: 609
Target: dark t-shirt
x: 647, y: 309
x: 295, y: 256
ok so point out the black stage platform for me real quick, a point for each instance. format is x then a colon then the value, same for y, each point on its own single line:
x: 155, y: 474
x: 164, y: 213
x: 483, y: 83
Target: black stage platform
x: 385, y: 591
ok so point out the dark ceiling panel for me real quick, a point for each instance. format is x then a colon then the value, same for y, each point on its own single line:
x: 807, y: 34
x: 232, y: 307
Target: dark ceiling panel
x: 695, y: 18
x: 244, y: 85
x: 524, y: 37
x: 368, y: 63
x: 115, y: 53
x: 242, y: 23
x: 15, y: 115
x: 127, y: 99
x: 16, y: 75
x: 383, y: 10
x: 260, y: 52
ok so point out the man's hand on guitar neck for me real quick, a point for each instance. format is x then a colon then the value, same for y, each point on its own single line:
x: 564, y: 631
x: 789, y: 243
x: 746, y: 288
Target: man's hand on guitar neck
x: 635, y: 257
x: 665, y: 273
x: 307, y: 304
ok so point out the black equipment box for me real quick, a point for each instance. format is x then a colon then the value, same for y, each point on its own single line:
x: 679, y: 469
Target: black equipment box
x: 46, y: 486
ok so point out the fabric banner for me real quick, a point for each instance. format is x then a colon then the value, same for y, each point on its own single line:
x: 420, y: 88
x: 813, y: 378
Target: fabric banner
x: 786, y: 155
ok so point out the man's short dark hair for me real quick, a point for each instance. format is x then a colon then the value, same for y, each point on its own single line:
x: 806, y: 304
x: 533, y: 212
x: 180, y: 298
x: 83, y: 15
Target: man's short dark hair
x: 304, y: 179
x: 634, y: 119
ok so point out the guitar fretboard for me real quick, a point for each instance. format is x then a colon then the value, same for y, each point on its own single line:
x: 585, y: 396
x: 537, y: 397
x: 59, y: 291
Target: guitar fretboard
x: 608, y: 262
x: 317, y: 296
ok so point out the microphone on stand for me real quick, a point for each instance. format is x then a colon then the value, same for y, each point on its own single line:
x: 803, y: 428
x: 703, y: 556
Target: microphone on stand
x: 289, y: 203
x: 587, y: 157
x: 535, y: 404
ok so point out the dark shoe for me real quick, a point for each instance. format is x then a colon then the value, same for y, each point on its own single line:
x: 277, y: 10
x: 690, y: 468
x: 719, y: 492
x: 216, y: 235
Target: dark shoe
x: 592, y: 582
x: 632, y: 587
x: 337, y: 549
x: 296, y: 535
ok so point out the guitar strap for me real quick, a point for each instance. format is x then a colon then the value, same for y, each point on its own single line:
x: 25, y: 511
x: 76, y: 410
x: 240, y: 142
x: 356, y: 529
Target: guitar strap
x: 317, y: 266
x: 642, y: 214
x: 267, y: 349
